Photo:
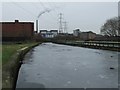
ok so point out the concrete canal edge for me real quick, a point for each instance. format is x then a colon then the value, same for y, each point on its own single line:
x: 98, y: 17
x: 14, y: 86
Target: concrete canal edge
x: 11, y: 70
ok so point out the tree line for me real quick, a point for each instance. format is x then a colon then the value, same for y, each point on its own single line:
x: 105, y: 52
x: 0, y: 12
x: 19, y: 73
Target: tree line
x: 111, y: 27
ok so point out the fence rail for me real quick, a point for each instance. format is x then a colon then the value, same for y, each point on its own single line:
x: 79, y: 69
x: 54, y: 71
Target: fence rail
x: 99, y: 44
x: 94, y: 44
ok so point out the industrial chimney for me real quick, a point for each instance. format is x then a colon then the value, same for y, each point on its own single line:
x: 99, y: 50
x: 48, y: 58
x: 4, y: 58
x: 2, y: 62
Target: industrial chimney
x: 36, y: 26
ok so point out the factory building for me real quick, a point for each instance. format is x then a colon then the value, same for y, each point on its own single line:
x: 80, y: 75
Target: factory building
x: 76, y: 32
x: 49, y: 34
x: 17, y: 31
x: 87, y: 35
x: 84, y: 35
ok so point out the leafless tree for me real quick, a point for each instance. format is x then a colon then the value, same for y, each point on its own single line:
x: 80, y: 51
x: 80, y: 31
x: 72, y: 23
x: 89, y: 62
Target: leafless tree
x: 111, y: 27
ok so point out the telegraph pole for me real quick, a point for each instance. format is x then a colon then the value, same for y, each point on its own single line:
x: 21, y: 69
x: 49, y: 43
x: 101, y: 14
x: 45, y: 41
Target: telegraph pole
x: 60, y: 23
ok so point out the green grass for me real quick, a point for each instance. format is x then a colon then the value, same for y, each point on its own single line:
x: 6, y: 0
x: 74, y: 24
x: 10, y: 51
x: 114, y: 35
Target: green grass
x: 10, y: 61
x: 10, y: 49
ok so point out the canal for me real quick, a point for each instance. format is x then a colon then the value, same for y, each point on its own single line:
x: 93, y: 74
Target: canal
x: 60, y: 66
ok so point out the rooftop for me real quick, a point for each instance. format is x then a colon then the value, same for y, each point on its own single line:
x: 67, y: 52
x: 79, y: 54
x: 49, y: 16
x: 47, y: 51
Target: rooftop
x: 16, y: 21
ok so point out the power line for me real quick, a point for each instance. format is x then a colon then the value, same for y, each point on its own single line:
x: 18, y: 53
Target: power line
x: 44, y: 7
x: 52, y: 7
x: 16, y: 4
x: 41, y: 13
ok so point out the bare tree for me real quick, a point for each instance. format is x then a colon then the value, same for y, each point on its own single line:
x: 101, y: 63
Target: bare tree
x: 111, y: 27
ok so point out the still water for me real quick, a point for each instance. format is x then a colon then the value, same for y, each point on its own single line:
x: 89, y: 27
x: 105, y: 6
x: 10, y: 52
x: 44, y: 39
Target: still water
x: 60, y: 66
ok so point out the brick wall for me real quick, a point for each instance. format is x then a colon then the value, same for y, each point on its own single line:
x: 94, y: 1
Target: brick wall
x: 17, y: 29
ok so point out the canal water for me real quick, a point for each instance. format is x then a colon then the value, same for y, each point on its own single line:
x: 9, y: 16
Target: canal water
x: 60, y: 66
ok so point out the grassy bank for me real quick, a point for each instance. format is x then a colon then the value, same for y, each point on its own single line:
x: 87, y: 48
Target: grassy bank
x: 12, y: 54
x: 9, y: 49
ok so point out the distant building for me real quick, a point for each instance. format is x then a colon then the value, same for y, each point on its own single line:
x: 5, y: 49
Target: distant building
x: 49, y: 34
x: 43, y: 33
x: 87, y: 35
x: 54, y: 32
x: 76, y: 32
x: 15, y: 31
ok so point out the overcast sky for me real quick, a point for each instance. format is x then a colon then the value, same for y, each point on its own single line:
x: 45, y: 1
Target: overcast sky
x: 83, y: 15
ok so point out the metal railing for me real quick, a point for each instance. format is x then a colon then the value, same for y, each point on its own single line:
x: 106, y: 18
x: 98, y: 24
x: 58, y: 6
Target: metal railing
x: 96, y: 43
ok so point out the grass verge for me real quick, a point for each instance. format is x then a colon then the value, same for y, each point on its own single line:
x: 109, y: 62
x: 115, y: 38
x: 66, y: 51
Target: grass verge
x: 9, y: 49
x: 12, y: 54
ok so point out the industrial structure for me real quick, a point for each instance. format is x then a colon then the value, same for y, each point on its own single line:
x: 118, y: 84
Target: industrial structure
x: 37, y: 20
x: 87, y: 35
x: 17, y: 31
x: 76, y: 32
x: 48, y: 34
x: 65, y: 27
x: 84, y: 35
x: 62, y: 24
